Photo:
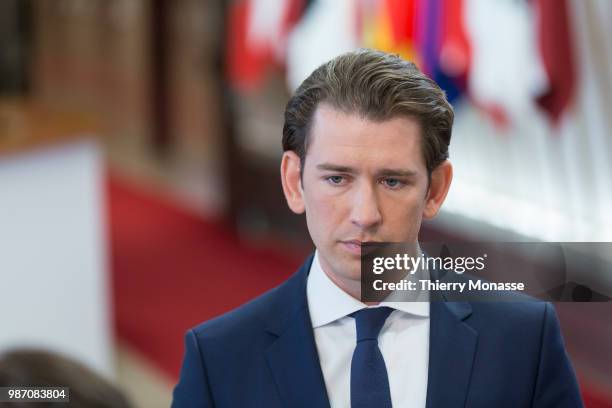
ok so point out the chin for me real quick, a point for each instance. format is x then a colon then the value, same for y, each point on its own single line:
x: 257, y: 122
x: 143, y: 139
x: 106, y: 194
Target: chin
x: 350, y: 270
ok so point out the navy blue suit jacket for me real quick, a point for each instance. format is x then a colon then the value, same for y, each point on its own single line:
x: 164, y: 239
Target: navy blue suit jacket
x: 263, y: 354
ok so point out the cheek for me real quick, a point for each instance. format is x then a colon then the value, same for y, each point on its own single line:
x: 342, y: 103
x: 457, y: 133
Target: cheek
x: 405, y: 213
x: 323, y: 212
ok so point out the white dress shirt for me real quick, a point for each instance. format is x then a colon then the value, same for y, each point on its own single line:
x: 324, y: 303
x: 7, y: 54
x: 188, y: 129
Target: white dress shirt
x: 403, y: 341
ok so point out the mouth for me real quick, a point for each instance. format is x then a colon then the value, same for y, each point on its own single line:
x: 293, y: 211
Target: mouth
x: 358, y: 247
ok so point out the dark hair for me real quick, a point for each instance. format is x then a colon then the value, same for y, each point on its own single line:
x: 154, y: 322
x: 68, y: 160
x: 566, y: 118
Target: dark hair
x: 377, y: 86
x: 40, y: 368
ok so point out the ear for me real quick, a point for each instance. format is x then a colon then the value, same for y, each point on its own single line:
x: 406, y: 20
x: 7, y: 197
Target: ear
x: 292, y: 183
x: 441, y: 178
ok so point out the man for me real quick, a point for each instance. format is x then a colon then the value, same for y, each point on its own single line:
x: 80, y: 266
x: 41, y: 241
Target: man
x: 366, y: 159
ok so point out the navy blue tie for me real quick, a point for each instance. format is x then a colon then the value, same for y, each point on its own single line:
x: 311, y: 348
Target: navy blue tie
x: 369, y: 380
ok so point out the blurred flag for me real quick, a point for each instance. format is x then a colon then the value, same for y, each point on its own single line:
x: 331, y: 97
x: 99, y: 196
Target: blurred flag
x: 486, y: 49
x: 257, y: 36
x: 389, y: 25
x: 444, y: 45
x: 328, y: 28
x: 555, y: 42
x: 506, y: 71
x: 430, y: 33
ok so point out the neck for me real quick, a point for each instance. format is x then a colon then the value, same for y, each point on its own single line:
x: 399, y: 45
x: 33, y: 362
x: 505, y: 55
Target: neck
x: 349, y: 286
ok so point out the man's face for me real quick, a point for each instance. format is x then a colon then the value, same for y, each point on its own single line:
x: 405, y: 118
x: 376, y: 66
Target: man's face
x: 362, y: 181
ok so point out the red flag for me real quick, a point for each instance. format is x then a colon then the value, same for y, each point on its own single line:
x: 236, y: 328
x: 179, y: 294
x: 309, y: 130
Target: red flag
x: 455, y: 53
x: 248, y: 61
x: 245, y: 66
x: 402, y: 18
x: 556, y: 47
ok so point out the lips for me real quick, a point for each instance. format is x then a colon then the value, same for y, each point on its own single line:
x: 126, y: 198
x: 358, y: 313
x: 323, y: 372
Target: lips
x: 358, y: 247
x: 353, y: 246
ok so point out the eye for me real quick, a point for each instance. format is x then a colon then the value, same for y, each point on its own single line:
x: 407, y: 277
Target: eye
x: 335, y: 180
x: 393, y: 183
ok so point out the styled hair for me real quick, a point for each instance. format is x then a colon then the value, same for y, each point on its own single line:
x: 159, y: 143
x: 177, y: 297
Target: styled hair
x: 42, y: 368
x: 377, y: 86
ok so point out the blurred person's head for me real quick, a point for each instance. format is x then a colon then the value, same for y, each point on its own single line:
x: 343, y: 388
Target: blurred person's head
x: 38, y: 368
x: 365, y: 145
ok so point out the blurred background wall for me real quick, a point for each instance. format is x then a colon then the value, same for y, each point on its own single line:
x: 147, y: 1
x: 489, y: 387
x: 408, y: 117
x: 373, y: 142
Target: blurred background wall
x: 140, y: 143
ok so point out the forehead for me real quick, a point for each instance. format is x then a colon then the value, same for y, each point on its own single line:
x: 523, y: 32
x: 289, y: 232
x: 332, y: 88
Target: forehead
x: 348, y: 137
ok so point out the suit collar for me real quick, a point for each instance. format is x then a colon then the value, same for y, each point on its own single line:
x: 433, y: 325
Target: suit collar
x: 293, y: 358
x: 326, y: 301
x: 452, y: 347
x: 290, y: 299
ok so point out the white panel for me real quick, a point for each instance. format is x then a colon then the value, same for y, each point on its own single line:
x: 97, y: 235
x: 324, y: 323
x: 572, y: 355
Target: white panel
x: 54, y: 289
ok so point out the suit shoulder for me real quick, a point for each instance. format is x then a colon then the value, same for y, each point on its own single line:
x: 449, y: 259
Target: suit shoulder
x: 250, y: 315
x: 505, y: 307
x: 278, y: 303
x: 522, y: 312
x: 251, y: 318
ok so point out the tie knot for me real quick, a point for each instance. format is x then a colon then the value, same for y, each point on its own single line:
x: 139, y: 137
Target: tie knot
x: 370, y: 321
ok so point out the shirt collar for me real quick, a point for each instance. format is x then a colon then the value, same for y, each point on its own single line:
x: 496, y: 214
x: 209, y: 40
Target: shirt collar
x: 328, y: 303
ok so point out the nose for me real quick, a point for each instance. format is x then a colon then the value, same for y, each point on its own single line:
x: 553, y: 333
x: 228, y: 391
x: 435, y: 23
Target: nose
x: 366, y: 211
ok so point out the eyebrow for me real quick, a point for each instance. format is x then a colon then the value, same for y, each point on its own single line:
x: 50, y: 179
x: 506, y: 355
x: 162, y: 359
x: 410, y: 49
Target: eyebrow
x: 397, y: 173
x: 381, y: 173
x: 335, y: 167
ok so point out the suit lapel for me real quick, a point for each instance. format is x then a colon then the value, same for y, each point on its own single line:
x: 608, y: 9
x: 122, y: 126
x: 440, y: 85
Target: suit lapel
x: 293, y: 358
x: 452, y: 345
x: 295, y: 366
